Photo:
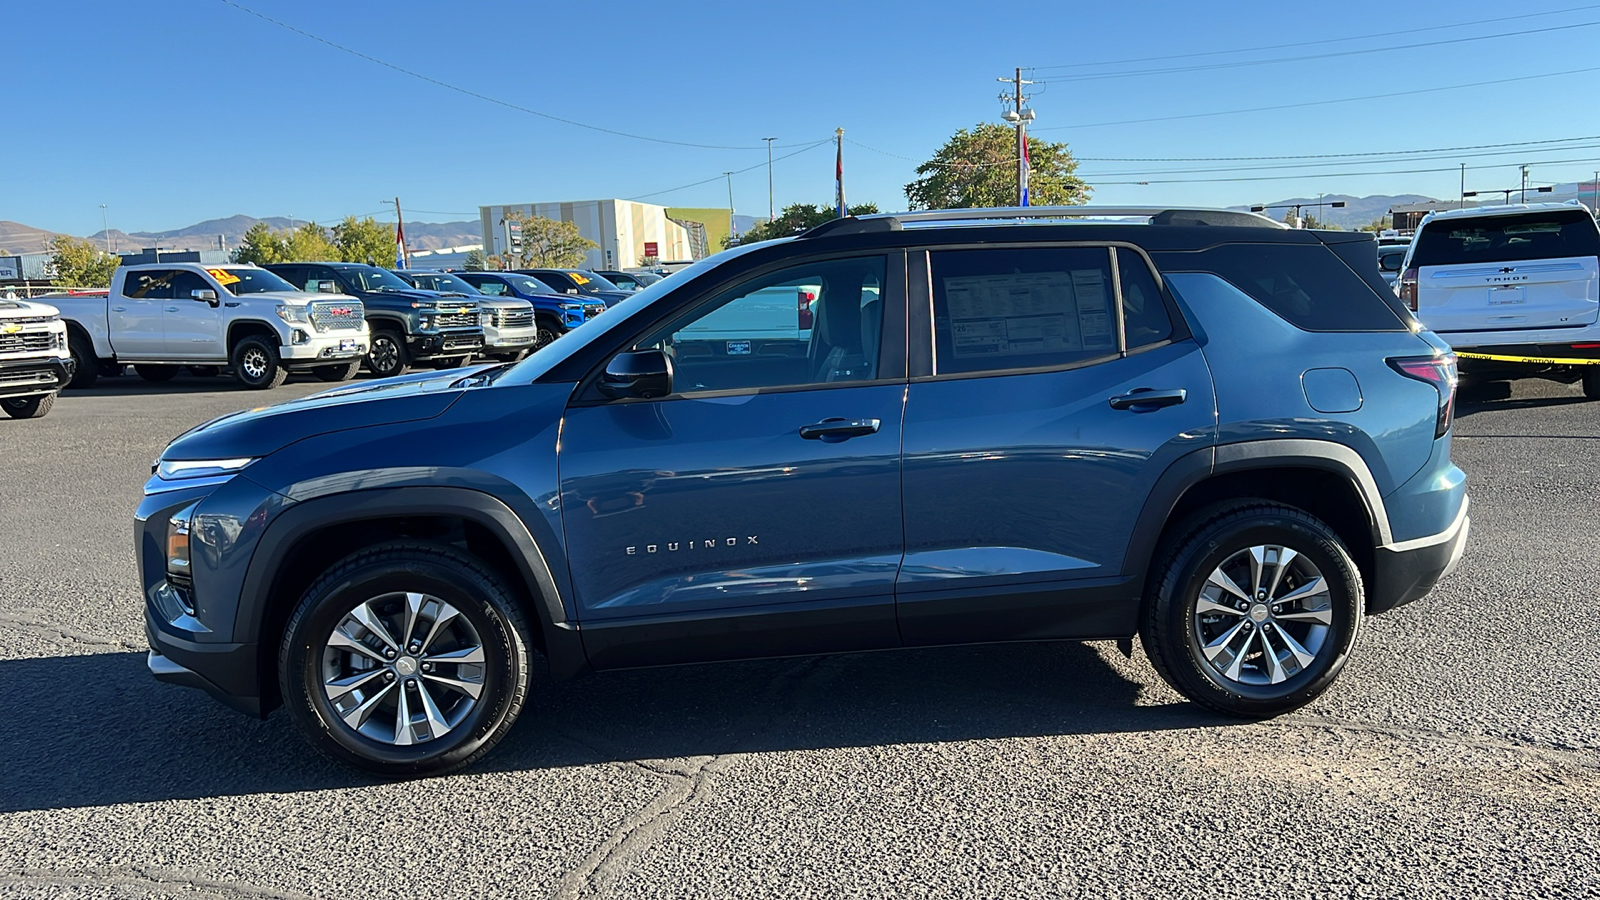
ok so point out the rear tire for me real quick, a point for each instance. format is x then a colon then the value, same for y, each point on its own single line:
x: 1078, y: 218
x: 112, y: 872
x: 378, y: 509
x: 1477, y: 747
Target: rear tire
x: 1591, y: 382
x: 156, y: 373
x: 29, y: 407
x: 387, y: 356
x: 256, y: 364
x: 86, y: 369
x: 366, y: 670
x: 340, y: 372
x: 1256, y: 609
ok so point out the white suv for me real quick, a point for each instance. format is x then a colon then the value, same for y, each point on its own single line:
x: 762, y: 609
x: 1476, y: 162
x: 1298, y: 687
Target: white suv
x: 1514, y: 289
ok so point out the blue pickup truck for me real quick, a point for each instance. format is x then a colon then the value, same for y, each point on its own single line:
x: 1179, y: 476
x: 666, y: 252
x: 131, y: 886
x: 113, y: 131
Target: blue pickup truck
x: 554, y: 312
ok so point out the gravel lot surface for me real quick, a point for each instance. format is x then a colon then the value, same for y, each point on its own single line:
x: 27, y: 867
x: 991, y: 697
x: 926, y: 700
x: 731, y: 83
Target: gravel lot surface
x: 1459, y: 755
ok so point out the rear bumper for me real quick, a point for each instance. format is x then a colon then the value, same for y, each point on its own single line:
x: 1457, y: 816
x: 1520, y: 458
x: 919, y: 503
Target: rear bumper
x: 33, y: 377
x: 1408, y: 570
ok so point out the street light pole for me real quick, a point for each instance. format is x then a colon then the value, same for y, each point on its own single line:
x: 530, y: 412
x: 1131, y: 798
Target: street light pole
x: 1524, y: 198
x: 106, y: 227
x: 731, y: 228
x: 772, y: 211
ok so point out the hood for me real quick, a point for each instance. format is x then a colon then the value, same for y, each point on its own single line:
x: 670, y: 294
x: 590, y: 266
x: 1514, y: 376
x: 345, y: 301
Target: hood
x: 268, y: 429
x: 24, y: 309
x: 296, y: 297
x: 502, y: 303
x: 420, y: 295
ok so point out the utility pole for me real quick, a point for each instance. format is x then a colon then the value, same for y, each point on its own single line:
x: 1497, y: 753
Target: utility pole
x: 1020, y: 118
x: 1462, y: 204
x: 772, y: 211
x: 1524, y: 186
x: 1596, y: 192
x: 731, y: 228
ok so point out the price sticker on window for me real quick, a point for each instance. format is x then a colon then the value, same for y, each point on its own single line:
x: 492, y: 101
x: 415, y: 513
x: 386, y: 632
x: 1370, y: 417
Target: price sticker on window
x: 223, y: 276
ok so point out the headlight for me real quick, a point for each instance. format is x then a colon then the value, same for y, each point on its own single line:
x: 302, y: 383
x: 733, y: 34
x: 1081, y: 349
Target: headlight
x: 295, y: 314
x: 178, y: 528
x: 427, y: 323
x: 572, y: 306
x: 175, y: 469
x: 486, y: 318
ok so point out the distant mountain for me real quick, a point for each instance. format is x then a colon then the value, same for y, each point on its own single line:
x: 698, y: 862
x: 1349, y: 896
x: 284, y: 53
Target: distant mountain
x: 741, y: 224
x: 1356, y: 212
x: 205, y: 235
x: 16, y: 238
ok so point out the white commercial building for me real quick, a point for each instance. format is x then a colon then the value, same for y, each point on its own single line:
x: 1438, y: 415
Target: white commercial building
x: 622, y: 228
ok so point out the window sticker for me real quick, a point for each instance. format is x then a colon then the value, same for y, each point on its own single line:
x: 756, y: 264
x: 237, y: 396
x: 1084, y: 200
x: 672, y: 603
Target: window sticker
x: 1035, y: 312
x: 223, y: 276
x: 578, y: 278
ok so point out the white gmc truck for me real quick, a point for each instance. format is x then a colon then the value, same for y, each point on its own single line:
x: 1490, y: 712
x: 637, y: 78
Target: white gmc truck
x: 34, y: 362
x: 165, y: 316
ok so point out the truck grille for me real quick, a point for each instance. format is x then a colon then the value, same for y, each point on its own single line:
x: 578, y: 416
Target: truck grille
x: 592, y: 310
x: 26, y: 342
x: 516, y: 319
x: 457, y: 320
x: 17, y: 377
x: 337, y: 316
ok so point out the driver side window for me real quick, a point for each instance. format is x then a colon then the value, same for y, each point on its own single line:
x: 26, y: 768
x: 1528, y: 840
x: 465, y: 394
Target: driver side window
x: 817, y: 323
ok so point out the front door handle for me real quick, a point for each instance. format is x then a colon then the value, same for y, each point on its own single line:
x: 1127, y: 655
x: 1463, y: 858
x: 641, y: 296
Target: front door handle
x: 1140, y: 399
x: 119, y: 309
x: 172, y: 309
x: 835, y: 430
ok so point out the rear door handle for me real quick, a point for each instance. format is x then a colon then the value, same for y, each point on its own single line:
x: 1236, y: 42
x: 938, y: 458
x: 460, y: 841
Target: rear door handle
x: 1149, y: 398
x: 835, y: 430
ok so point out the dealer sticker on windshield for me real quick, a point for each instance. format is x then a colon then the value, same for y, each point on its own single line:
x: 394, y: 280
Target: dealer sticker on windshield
x: 223, y: 276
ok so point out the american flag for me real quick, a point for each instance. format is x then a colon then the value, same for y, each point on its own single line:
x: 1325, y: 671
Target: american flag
x: 399, y: 245
x: 1026, y: 167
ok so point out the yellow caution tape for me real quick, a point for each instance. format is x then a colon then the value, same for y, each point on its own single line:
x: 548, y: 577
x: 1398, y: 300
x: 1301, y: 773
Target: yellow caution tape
x: 1547, y: 360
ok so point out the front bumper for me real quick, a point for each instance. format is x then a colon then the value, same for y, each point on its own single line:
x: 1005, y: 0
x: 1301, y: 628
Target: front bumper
x: 230, y: 668
x: 31, y: 377
x: 324, y: 349
x: 447, y: 343
x: 509, y: 338
x: 1408, y: 570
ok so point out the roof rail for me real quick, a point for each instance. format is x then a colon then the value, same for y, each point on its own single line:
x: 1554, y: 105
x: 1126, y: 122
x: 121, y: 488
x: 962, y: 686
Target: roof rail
x: 1154, y: 215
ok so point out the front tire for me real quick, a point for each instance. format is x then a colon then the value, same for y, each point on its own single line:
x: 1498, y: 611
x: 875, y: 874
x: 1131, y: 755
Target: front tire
x: 29, y: 407
x: 548, y: 332
x: 1591, y: 382
x: 406, y: 658
x: 86, y: 366
x: 387, y: 356
x: 340, y: 372
x: 256, y: 364
x: 1256, y: 609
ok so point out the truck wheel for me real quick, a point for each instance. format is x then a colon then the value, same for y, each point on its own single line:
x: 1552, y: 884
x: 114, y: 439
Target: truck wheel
x: 388, y: 357
x: 548, y: 331
x: 256, y: 364
x: 87, y: 365
x: 340, y: 372
x: 29, y: 407
x: 156, y: 373
x: 405, y: 658
x: 1256, y: 609
x: 1591, y: 382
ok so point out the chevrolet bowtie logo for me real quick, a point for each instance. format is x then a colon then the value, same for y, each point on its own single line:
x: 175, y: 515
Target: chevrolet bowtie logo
x: 10, y: 329
x: 1507, y: 270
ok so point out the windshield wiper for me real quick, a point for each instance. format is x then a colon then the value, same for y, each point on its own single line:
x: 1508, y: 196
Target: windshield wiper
x: 477, y: 379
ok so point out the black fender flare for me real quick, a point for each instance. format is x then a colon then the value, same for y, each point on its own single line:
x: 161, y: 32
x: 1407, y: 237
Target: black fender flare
x: 564, y: 649
x: 1192, y: 468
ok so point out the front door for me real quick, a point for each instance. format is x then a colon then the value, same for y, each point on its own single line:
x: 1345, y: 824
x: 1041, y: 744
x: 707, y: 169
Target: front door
x: 1028, y: 454
x: 194, y: 327
x: 755, y: 511
x: 135, y: 317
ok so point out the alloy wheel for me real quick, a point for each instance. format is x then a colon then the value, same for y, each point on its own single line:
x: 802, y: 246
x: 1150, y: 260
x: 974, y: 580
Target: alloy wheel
x: 385, y: 355
x: 254, y: 362
x: 403, y: 669
x: 1262, y: 616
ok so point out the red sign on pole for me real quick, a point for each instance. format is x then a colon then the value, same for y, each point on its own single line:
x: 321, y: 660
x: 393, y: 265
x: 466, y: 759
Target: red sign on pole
x: 652, y: 248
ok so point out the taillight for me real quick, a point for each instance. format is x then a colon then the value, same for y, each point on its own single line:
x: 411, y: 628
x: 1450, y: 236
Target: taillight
x: 1439, y: 371
x: 804, y: 299
x: 1408, y: 287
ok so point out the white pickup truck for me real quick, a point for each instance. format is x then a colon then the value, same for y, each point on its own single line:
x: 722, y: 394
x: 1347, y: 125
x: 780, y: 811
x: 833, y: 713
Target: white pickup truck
x: 34, y: 362
x: 164, y: 316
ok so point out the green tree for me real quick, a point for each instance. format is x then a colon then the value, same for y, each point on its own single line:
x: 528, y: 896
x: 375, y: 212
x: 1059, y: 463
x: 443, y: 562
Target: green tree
x: 1381, y: 223
x: 549, y: 244
x: 475, y: 261
x: 76, y: 262
x: 364, y: 241
x: 795, y: 218
x: 308, y: 243
x: 261, y: 245
x: 978, y: 168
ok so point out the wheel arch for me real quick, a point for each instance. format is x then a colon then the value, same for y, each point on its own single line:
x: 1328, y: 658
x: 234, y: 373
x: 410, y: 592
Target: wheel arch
x: 308, y: 537
x: 239, y: 329
x: 1326, y: 479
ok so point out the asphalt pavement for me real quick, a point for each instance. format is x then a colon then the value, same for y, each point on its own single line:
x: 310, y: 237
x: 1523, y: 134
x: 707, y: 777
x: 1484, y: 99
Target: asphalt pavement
x: 1458, y: 756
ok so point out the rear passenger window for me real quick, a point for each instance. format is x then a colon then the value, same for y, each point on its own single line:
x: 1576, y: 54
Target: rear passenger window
x: 1022, y: 309
x: 1144, y: 313
x: 152, y: 284
x: 1305, y: 284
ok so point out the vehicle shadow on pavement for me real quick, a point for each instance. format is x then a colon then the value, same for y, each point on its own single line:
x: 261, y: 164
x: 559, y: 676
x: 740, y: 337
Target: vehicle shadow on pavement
x: 96, y: 730
x: 134, y: 386
x: 1470, y: 405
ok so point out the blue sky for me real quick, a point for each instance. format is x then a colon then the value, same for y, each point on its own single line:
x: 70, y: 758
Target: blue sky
x: 173, y: 111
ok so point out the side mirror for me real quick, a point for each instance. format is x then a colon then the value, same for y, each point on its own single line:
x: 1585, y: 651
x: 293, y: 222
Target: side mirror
x: 639, y: 374
x: 205, y: 294
x: 327, y: 287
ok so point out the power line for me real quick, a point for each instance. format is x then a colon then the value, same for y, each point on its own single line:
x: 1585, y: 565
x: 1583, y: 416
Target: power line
x: 1313, y: 165
x: 1587, y: 137
x: 1234, y: 112
x: 470, y: 93
x: 720, y: 175
x: 1359, y: 37
x: 1096, y: 76
x: 1321, y: 175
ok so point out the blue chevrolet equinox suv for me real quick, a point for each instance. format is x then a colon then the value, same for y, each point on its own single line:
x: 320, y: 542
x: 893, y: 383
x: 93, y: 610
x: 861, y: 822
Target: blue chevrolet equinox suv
x: 1224, y: 437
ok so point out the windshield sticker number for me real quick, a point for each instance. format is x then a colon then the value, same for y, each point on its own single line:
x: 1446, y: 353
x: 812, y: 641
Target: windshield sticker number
x: 224, y: 277
x: 578, y: 278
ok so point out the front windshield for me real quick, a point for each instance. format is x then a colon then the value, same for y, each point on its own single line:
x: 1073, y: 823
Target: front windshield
x: 527, y: 285
x: 372, y: 278
x: 442, y: 282
x: 249, y: 281
x: 590, y: 283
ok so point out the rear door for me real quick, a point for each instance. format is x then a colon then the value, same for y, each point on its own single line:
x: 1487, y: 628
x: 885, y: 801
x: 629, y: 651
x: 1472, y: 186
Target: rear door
x: 1531, y: 269
x: 1028, y: 451
x: 137, y: 331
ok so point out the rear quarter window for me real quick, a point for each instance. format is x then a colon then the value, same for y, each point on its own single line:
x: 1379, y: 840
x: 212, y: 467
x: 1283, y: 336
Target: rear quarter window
x: 1552, y: 234
x: 1305, y: 284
